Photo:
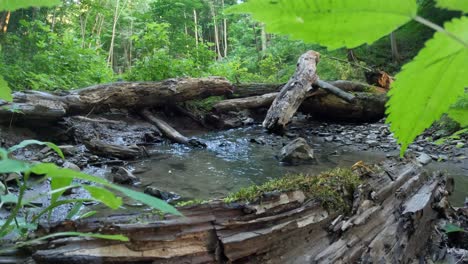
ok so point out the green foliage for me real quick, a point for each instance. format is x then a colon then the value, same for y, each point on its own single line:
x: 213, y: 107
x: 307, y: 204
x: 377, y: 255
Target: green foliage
x: 61, y: 180
x: 451, y: 228
x: 5, y: 91
x: 433, y: 80
x: 335, y: 24
x: 459, y: 111
x: 40, y: 59
x: 11, y: 5
x: 454, y: 5
x: 333, y: 189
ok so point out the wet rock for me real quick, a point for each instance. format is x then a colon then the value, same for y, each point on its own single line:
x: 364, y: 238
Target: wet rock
x: 329, y: 139
x: 297, y: 152
x: 443, y: 157
x: 248, y: 121
x: 424, y: 159
x: 372, y: 143
x: 259, y: 141
x: 123, y: 176
x: 166, y: 196
x: 71, y: 166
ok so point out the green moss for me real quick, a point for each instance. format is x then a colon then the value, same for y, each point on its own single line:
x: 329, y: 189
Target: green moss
x: 190, y: 202
x: 334, y: 188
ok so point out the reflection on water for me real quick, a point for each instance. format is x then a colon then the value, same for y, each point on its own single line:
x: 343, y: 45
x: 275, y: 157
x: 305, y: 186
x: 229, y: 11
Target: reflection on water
x: 231, y: 161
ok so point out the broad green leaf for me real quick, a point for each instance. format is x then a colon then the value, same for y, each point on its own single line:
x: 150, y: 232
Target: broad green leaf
x: 28, y: 142
x: 458, y: 5
x: 58, y: 183
x: 8, y: 199
x: 53, y: 171
x: 9, y: 165
x: 11, y: 5
x: 5, y: 91
x: 104, y: 196
x: 331, y: 23
x: 148, y: 200
x: 428, y: 85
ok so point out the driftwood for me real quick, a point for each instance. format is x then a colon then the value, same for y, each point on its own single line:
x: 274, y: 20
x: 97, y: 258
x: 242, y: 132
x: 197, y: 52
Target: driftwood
x: 33, y: 105
x: 391, y: 221
x: 101, y: 148
x: 169, y: 131
x: 293, y: 93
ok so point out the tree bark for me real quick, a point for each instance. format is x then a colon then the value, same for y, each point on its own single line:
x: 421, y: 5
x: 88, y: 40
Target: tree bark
x: 196, y: 26
x: 168, y: 131
x: 392, y: 217
x: 42, y: 106
x: 216, y: 31
x: 293, y: 93
x: 393, y: 42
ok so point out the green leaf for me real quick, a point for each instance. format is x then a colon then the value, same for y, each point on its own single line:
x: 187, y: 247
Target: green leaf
x: 8, y: 199
x: 5, y: 91
x: 428, y: 85
x: 88, y: 214
x: 58, y: 183
x: 9, y: 165
x: 53, y: 171
x: 331, y: 23
x: 74, y: 211
x: 458, y: 5
x: 147, y: 199
x: 451, y: 228
x: 104, y: 196
x: 28, y: 142
x: 11, y: 5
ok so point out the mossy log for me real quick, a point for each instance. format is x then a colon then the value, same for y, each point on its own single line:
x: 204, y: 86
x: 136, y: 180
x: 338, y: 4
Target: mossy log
x: 41, y: 106
x: 389, y: 220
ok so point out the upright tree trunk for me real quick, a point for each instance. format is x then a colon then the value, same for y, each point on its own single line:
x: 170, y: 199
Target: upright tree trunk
x: 225, y: 33
x: 216, y: 31
x: 264, y: 38
x: 5, y: 21
x: 196, y: 26
x: 185, y: 24
x: 110, y: 59
x: 394, y: 45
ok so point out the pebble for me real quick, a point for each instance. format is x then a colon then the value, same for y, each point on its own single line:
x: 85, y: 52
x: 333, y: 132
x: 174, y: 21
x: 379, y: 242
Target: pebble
x: 424, y: 159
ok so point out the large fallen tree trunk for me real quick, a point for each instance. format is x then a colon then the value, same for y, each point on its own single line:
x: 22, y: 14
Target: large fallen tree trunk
x: 368, y: 103
x: 42, y: 106
x: 296, y: 91
x: 392, y: 216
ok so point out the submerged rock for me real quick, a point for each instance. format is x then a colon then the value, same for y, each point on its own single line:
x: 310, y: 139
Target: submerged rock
x: 124, y: 176
x: 166, y: 196
x: 297, y: 152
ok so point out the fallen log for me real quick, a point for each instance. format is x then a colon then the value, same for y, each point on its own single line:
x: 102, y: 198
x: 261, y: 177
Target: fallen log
x: 103, y: 149
x: 390, y: 221
x: 368, y: 103
x: 33, y: 105
x: 293, y: 93
x: 168, y: 131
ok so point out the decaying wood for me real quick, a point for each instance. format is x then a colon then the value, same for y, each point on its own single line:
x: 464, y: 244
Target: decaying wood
x: 101, y: 148
x: 368, y: 103
x: 169, y: 131
x: 335, y: 90
x: 42, y: 106
x: 293, y: 93
x: 390, y: 222
x: 242, y: 90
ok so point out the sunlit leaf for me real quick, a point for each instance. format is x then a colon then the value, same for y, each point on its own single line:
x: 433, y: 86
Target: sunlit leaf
x: 5, y: 91
x: 104, y: 196
x: 459, y: 115
x: 11, y: 5
x: 28, y: 142
x: 9, y: 165
x: 451, y: 228
x: 428, y: 85
x: 58, y: 183
x: 459, y: 5
x: 331, y: 23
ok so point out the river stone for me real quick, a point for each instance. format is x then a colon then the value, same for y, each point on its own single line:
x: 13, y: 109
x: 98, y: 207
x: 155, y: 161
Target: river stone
x: 424, y: 159
x: 166, y: 196
x: 123, y: 176
x: 296, y: 152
